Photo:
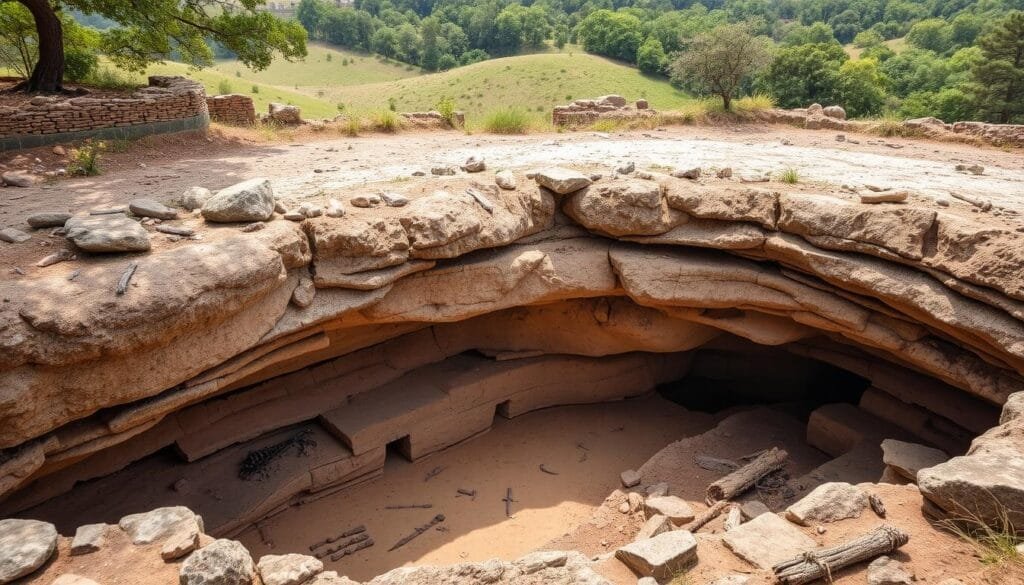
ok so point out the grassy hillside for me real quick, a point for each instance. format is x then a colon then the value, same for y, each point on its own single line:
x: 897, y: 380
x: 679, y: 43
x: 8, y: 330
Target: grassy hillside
x: 323, y: 65
x: 531, y: 82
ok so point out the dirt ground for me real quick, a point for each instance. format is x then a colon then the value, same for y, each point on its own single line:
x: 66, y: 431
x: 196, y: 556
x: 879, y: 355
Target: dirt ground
x: 587, y: 446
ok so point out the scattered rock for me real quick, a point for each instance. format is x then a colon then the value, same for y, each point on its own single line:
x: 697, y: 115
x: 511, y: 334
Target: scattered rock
x: 974, y: 169
x: 290, y: 569
x: 107, y: 233
x: 181, y: 542
x: 59, y: 150
x: 661, y: 557
x: 48, y: 219
x: 18, y: 178
x: 624, y: 508
x: 886, y: 571
x: 693, y: 173
x: 538, y: 561
x: 279, y: 207
x: 506, y: 180
x: 251, y: 200
x: 294, y: 216
x: 335, y: 208
x: 625, y: 168
x: 562, y: 181
x: 25, y: 545
x: 442, y: 171
x: 630, y: 478
x: 223, y: 562
x: 840, y: 138
x: 57, y: 257
x: 767, y: 540
x: 836, y: 112
x: 595, y: 177
x: 254, y: 227
x: 724, y: 173
x: 151, y: 526
x: 474, y: 164
x: 654, y: 526
x: 13, y: 236
x: 304, y: 293
x: 88, y: 538
x: 394, y: 199
x: 828, y: 502
x: 634, y: 501
x: 310, y: 210
x: 676, y: 508
x: 176, y: 230
x: 658, y: 489
x: 907, y: 459
x: 150, y: 208
x: 753, y: 509
x: 365, y: 201
x: 754, y: 178
x: 895, y: 196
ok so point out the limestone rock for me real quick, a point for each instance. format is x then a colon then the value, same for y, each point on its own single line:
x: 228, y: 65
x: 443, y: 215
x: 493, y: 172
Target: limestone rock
x: 661, y: 557
x: 310, y: 210
x: 182, y: 541
x: 560, y: 180
x: 654, y: 526
x: 107, y: 233
x: 442, y: 171
x: 828, y: 502
x: 13, y: 236
x: 88, y: 538
x: 767, y: 540
x: 48, y: 219
x: 289, y: 569
x: 505, y: 179
x: 982, y: 484
x: 365, y: 201
x: 474, y: 164
x: 25, y: 545
x: 330, y: 578
x: 150, y: 208
x: 538, y: 561
x: 148, y: 527
x: 674, y: 507
x: 886, y: 571
x: 18, y: 178
x: 304, y: 293
x: 394, y: 199
x: 223, y: 562
x: 909, y: 458
x: 692, y: 173
x: 629, y: 478
x: 195, y: 197
x: 251, y: 200
x: 335, y: 208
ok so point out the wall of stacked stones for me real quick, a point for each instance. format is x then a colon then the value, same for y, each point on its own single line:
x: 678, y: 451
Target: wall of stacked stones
x: 231, y: 108
x: 167, y: 104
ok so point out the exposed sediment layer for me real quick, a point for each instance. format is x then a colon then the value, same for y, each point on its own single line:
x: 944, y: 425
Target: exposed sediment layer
x: 206, y: 351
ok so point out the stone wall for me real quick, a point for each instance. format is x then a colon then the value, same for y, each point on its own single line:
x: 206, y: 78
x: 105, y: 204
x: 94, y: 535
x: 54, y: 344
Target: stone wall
x: 583, y: 112
x: 168, y: 104
x: 998, y: 134
x: 231, y: 108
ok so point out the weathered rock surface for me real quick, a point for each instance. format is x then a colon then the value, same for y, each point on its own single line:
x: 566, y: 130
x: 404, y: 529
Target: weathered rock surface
x: 561, y: 181
x: 673, y: 507
x: 25, y: 545
x: 13, y: 236
x: 223, y: 562
x: 828, y: 502
x: 289, y: 569
x: 251, y: 200
x: 557, y: 568
x: 662, y: 556
x: 107, y: 233
x: 195, y: 197
x: 909, y: 458
x: 887, y: 571
x: 151, y: 208
x: 48, y: 219
x: 88, y: 538
x: 767, y: 540
x: 148, y: 527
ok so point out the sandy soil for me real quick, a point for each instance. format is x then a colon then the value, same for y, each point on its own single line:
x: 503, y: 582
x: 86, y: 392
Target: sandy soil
x: 545, y: 506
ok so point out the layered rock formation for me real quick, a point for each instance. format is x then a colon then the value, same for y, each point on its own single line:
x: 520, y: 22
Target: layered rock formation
x: 413, y: 325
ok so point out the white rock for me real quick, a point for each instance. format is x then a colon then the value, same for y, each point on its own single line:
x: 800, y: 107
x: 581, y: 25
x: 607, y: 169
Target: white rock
x: 561, y: 181
x: 151, y: 526
x: 48, y: 219
x: 654, y: 526
x: 88, y: 538
x: 661, y: 557
x: 289, y: 569
x: 474, y: 164
x: 223, y: 562
x: 181, y: 542
x: 674, y: 507
x: 150, y: 208
x: 505, y: 179
x: 25, y: 545
x: 828, y: 502
x: 13, y: 236
x: 107, y: 233
x: 886, y: 571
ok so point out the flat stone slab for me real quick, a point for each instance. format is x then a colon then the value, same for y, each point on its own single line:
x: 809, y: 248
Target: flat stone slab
x: 909, y: 458
x: 654, y: 526
x: 887, y: 571
x: 48, y: 219
x: 562, y: 181
x: 13, y: 236
x: 828, y: 502
x: 673, y: 507
x: 661, y: 557
x: 767, y: 540
x: 107, y: 233
x: 151, y: 208
x: 156, y: 524
x: 25, y: 545
x: 289, y: 569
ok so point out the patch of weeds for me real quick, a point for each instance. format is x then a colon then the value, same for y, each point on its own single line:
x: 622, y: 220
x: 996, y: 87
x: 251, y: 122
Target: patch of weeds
x: 352, y: 126
x: 446, y: 107
x: 224, y: 87
x: 387, y: 121
x: 994, y: 543
x: 606, y: 125
x: 85, y: 160
x: 108, y: 78
x: 790, y: 176
x: 507, y: 121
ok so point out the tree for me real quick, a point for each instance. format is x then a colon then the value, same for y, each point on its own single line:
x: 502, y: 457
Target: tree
x: 867, y: 38
x: 19, y: 43
x: 613, y: 34
x: 650, y: 57
x: 799, y: 76
x: 998, y: 87
x: 721, y: 60
x: 933, y: 34
x: 151, y: 29
x: 310, y: 13
x: 860, y: 87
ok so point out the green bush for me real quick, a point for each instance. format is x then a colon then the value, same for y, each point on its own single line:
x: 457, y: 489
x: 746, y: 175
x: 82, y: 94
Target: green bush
x: 446, y: 107
x: 790, y: 176
x: 79, y: 64
x: 387, y: 121
x: 255, y: 89
x: 507, y: 121
x: 85, y: 161
x: 224, y: 87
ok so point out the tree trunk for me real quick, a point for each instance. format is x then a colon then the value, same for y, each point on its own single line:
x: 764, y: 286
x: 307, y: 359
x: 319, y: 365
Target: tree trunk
x: 727, y: 102
x: 48, y: 74
x: 740, y: 480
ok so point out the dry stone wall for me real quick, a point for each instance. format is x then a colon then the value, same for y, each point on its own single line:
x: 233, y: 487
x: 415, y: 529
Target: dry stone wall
x: 231, y: 108
x: 168, y: 104
x: 588, y: 111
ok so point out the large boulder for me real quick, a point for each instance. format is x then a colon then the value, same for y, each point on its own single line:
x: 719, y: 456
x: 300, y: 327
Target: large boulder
x: 107, y: 233
x: 290, y: 569
x: 25, y: 545
x: 222, y: 562
x: 251, y: 200
x: 828, y: 502
x: 661, y: 557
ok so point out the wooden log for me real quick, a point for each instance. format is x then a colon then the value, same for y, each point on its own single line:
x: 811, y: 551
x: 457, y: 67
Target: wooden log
x: 740, y: 480
x: 821, y: 564
x: 710, y: 514
x: 122, y: 284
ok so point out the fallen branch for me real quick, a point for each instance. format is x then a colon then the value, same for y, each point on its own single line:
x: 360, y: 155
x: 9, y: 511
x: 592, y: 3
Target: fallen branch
x: 819, y: 564
x: 433, y: 473
x: 710, y: 514
x: 122, y: 285
x: 364, y: 544
x: 344, y: 544
x: 547, y: 471
x: 743, y: 478
x: 350, y: 532
x: 420, y: 530
x: 408, y: 506
x: 876, y: 505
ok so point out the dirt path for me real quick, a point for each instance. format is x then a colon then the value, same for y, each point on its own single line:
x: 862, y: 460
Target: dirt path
x: 616, y: 436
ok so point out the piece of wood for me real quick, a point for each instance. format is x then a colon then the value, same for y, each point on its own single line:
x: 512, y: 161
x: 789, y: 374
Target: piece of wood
x: 547, y: 471
x: 409, y: 506
x: 508, y: 503
x: 420, y: 530
x: 465, y: 492
x: 175, y: 230
x: 821, y: 564
x: 733, y: 519
x: 350, y: 532
x: 710, y: 514
x: 122, y: 284
x: 343, y: 545
x: 351, y: 551
x: 716, y: 464
x: 876, y: 505
x: 743, y: 478
x: 979, y: 202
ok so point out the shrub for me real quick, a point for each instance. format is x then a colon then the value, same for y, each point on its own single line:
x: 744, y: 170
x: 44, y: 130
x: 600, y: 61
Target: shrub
x: 790, y: 176
x: 507, y: 121
x: 446, y: 107
x: 255, y: 89
x: 387, y: 121
x: 85, y: 160
x: 392, y: 104
x: 224, y: 87
x: 106, y: 78
x: 79, y: 64
x: 352, y: 126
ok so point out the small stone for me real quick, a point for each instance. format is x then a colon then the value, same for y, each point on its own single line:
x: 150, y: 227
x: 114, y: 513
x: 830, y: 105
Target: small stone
x: 624, y: 508
x: 662, y: 556
x: 150, y: 208
x: 974, y: 169
x: 176, y: 230
x: 88, y: 538
x: 290, y: 569
x: 18, y: 178
x: 886, y: 571
x: 654, y: 526
x: 751, y: 178
x: 635, y: 501
x: 506, y: 180
x: 310, y: 210
x: 251, y: 200
x: 279, y: 207
x: 658, y: 489
x: 474, y: 164
x: 828, y: 502
x: 562, y: 181
x: 365, y: 201
x: 767, y: 540
x: 538, y: 561
x: 304, y: 293
x: 819, y: 529
x: 55, y: 258
x: 840, y: 138
x: 693, y: 173
x: 896, y: 196
x: 294, y: 216
x: 753, y: 509
x: 674, y: 507
x: 629, y: 478
x: 394, y: 199
x: 625, y: 168
x: 25, y: 545
x: 48, y: 219
x: 335, y: 208
x: 254, y: 227
x: 909, y: 458
x: 442, y: 171
x: 182, y: 541
x: 59, y: 150
x: 724, y: 173
x: 13, y: 236
x: 151, y: 526
x: 223, y: 562
x: 419, y: 174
